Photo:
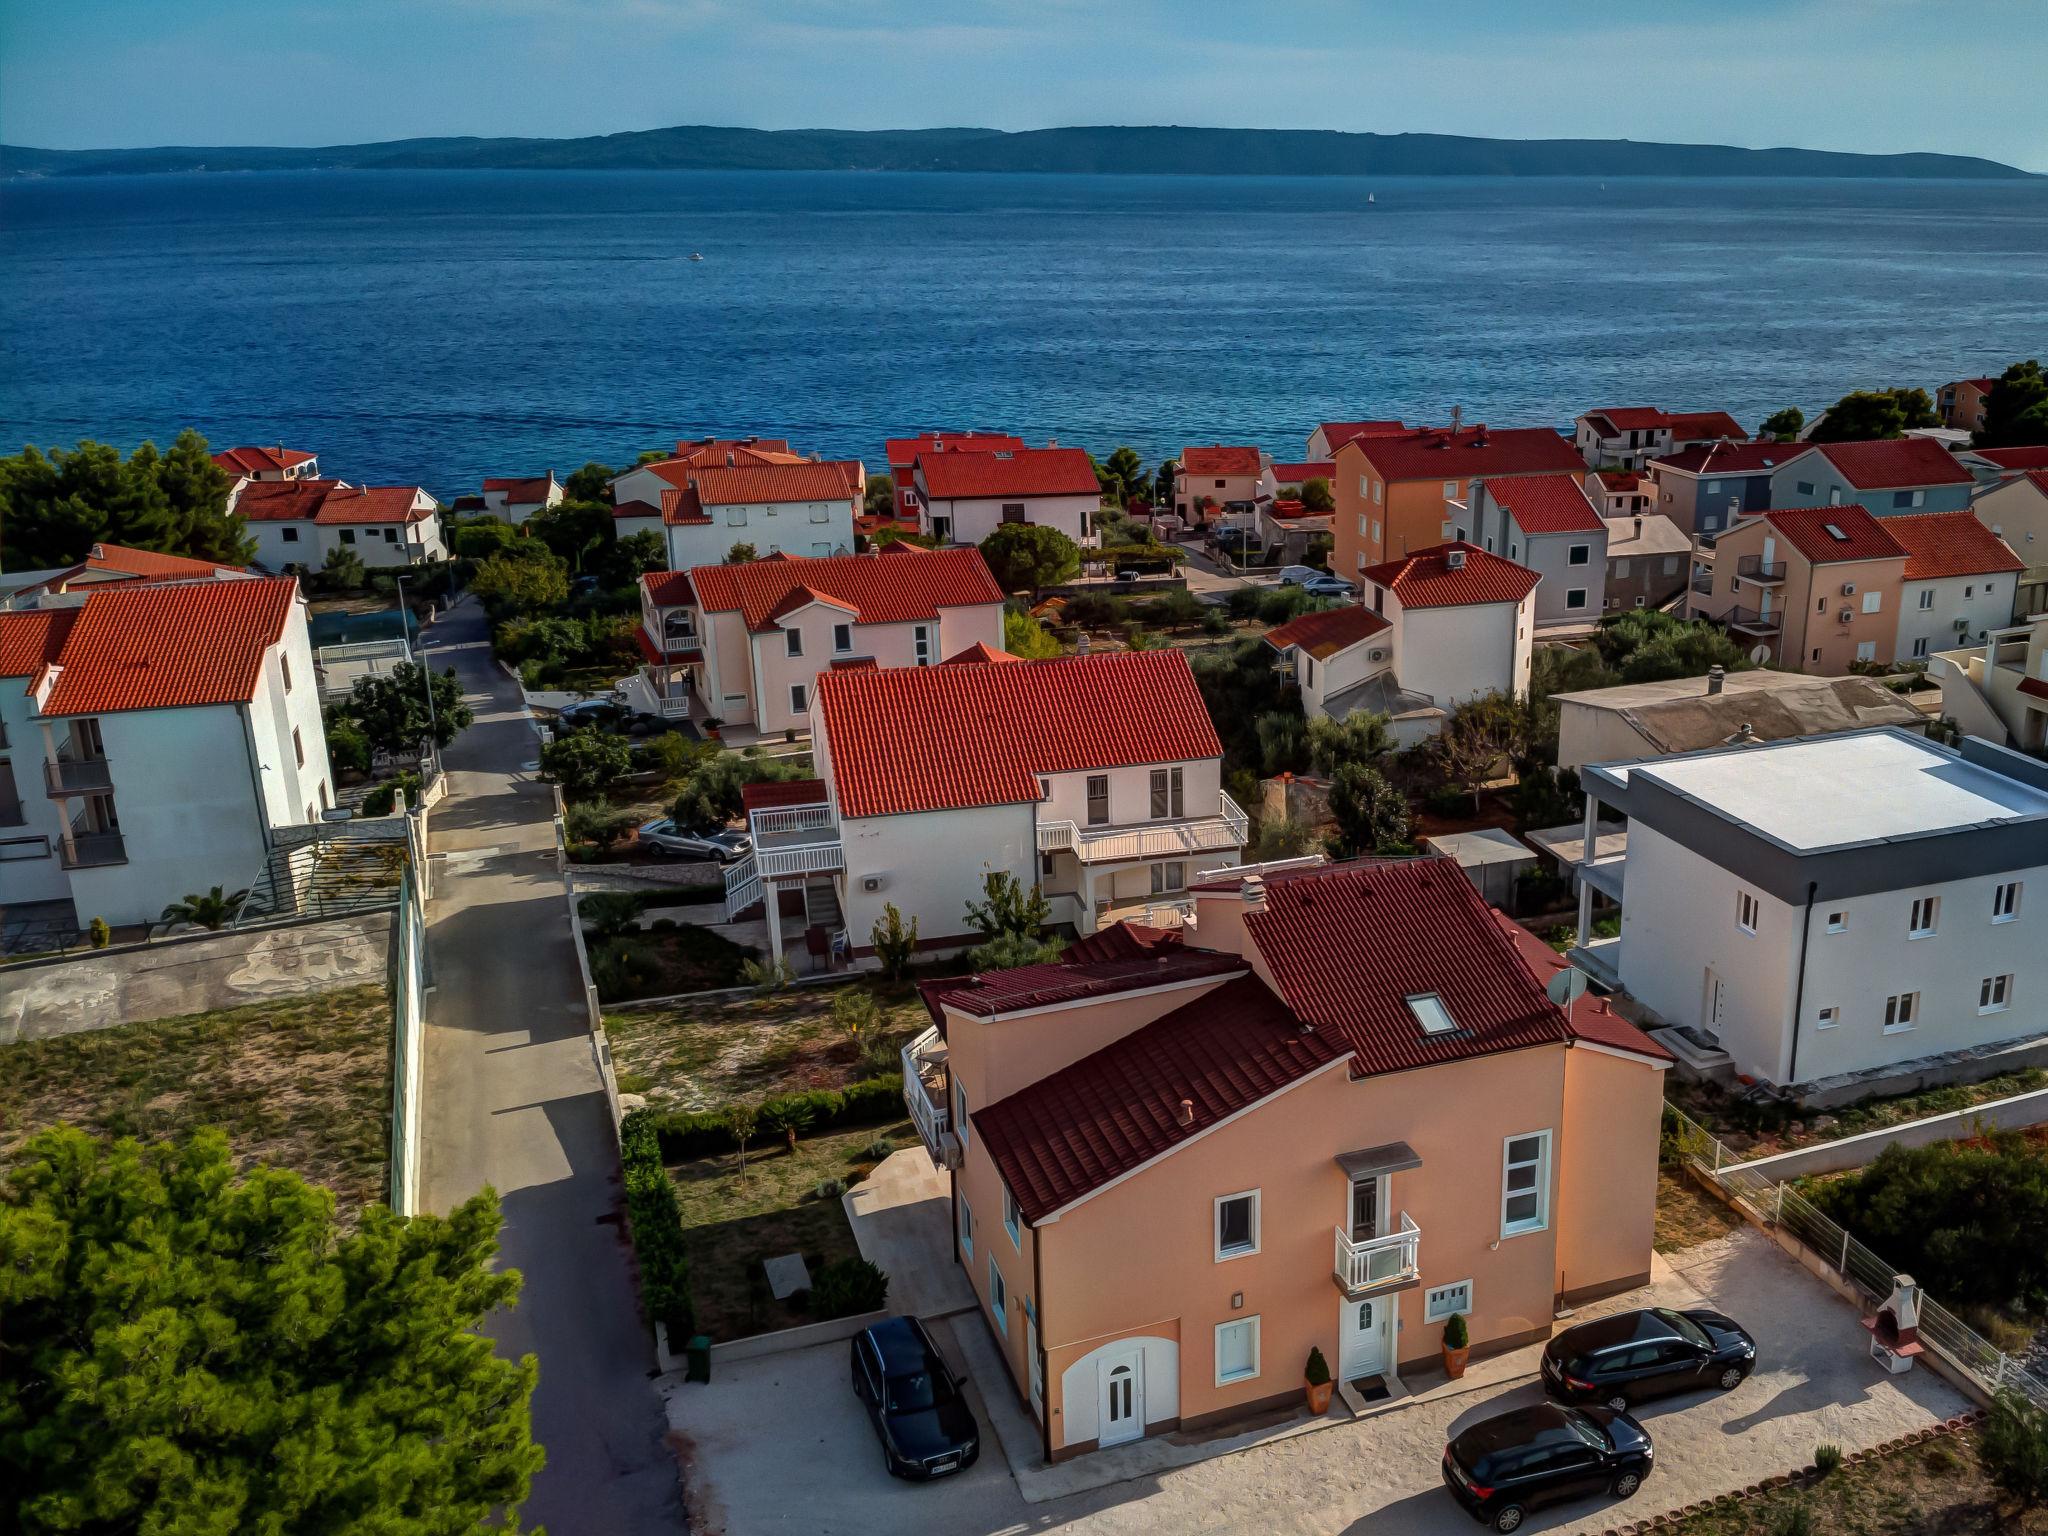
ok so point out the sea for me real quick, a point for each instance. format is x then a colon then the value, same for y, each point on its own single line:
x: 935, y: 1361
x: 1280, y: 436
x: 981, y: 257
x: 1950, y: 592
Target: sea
x: 437, y: 327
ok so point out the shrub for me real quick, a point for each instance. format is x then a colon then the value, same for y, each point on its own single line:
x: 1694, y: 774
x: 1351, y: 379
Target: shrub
x: 700, y: 1133
x: 1317, y: 1372
x: 847, y: 1288
x: 854, y: 1011
x: 878, y: 1057
x: 608, y: 914
x: 878, y: 1149
x: 99, y: 934
x: 348, y: 749
x: 657, y: 1228
x: 828, y: 1189
x: 594, y: 821
x: 787, y: 1118
x: 2014, y: 1447
x: 1456, y: 1334
x: 618, y: 971
x: 895, y: 944
x: 1826, y: 1458
x: 767, y: 976
x: 1448, y: 800
x: 1794, y: 1520
x: 586, y: 762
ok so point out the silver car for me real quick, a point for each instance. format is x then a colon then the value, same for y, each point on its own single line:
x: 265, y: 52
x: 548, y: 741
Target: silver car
x: 721, y: 843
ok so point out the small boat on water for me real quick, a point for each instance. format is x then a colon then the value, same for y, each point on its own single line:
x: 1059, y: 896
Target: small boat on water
x: 1368, y: 197
x: 696, y: 255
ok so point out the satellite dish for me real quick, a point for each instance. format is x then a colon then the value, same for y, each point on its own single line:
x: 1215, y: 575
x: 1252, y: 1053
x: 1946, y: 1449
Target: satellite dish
x: 1760, y: 654
x: 1567, y: 985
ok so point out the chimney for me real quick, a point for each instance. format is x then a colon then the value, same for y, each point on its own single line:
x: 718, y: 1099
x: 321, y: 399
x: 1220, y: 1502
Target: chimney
x: 1081, y: 645
x: 1251, y: 890
x: 1457, y: 415
x: 1716, y: 676
x: 1639, y: 527
x: 1186, y: 1117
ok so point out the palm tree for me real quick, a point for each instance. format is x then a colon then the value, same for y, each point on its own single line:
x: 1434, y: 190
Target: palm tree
x: 213, y: 911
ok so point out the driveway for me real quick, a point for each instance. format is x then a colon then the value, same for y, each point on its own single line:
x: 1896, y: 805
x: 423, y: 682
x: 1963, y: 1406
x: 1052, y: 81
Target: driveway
x: 1376, y: 1475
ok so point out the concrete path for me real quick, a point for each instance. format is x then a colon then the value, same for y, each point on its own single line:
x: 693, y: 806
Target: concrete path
x: 903, y: 1226
x: 512, y: 1099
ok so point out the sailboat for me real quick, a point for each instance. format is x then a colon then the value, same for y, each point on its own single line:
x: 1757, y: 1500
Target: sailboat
x: 1368, y: 197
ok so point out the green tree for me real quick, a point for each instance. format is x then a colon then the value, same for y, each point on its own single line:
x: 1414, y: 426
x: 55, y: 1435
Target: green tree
x: 879, y: 499
x: 1783, y: 425
x: 1014, y: 951
x: 478, y: 538
x: 521, y: 581
x: 1316, y: 497
x: 1478, y: 738
x: 391, y: 711
x: 214, y: 909
x: 1648, y: 646
x: 1162, y: 482
x: 1283, y: 742
x: 626, y: 560
x: 343, y: 570
x: 586, y: 763
x: 2014, y: 1447
x: 1872, y: 413
x: 593, y: 482
x: 595, y: 821
x: 266, y: 1369
x: 1121, y: 476
x: 2016, y: 414
x: 1362, y: 737
x: 1178, y: 609
x: 608, y: 915
x: 578, y: 533
x: 895, y: 942
x: 1007, y: 906
x: 348, y: 749
x: 1025, y: 636
x: 710, y: 796
x: 1286, y: 838
x: 1370, y: 813
x: 55, y: 507
x: 1026, y: 557
x: 740, y: 553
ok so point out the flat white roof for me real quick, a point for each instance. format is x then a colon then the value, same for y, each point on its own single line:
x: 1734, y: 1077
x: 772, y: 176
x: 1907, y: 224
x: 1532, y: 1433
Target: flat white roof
x: 1826, y: 791
x: 1484, y: 845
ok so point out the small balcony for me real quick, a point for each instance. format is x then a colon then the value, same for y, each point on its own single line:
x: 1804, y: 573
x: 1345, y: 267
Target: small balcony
x: 1754, y: 568
x: 1703, y: 582
x: 68, y: 775
x: 1228, y: 828
x: 1750, y: 621
x: 92, y: 850
x: 1378, y: 1262
x: 927, y: 1090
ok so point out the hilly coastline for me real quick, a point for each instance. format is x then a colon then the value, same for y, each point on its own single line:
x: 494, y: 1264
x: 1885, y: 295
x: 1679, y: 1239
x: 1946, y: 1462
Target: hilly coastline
x: 1103, y: 151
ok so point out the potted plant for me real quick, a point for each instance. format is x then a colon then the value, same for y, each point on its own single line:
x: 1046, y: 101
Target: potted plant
x: 711, y: 725
x: 1457, y: 1345
x: 1316, y: 1376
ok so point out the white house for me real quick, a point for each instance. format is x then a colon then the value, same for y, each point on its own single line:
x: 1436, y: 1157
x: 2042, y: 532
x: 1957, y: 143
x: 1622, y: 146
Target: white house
x: 1098, y: 778
x: 962, y: 498
x: 1342, y: 659
x: 903, y: 454
x: 515, y: 498
x: 1550, y: 525
x: 1631, y: 436
x: 268, y: 465
x: 801, y: 507
x: 152, y: 737
x: 1832, y: 914
x: 301, y: 522
x: 1463, y: 621
x: 1960, y: 582
x: 744, y: 644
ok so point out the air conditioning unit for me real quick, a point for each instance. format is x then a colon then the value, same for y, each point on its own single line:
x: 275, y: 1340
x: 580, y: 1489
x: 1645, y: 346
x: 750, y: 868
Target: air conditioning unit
x: 1962, y: 626
x: 1848, y: 589
x: 1846, y: 616
x: 1455, y: 560
x: 951, y: 1154
x: 873, y: 882
x: 1376, y: 655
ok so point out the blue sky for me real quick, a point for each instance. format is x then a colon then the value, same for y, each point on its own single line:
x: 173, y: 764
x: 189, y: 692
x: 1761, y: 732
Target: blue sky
x: 1875, y: 75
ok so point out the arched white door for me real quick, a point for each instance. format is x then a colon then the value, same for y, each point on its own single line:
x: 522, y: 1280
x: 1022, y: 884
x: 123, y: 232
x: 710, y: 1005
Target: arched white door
x: 1120, y: 1414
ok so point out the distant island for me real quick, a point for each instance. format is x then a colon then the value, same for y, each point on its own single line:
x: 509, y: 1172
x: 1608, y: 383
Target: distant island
x: 1110, y: 151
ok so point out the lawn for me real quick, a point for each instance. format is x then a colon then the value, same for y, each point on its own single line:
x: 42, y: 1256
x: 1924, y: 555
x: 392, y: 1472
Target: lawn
x: 734, y: 1220
x: 666, y: 961
x: 700, y: 1057
x: 1937, y: 1488
x: 1758, y: 1132
x: 1687, y: 1215
x: 303, y: 1083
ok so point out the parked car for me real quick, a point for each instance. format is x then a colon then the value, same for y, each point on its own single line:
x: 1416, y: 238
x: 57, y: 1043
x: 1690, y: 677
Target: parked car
x: 1299, y: 575
x: 720, y: 843
x: 1327, y: 586
x: 608, y: 715
x: 1503, y: 1467
x: 914, y: 1401
x: 1633, y: 1356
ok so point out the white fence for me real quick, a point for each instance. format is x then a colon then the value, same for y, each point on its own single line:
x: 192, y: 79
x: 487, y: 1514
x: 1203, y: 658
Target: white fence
x: 1775, y: 1205
x: 408, y: 1043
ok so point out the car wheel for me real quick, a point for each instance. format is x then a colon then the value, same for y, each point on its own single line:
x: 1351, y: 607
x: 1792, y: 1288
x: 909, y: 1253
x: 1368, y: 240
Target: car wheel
x: 1618, y: 1403
x: 1508, y: 1519
x: 1731, y: 1378
x: 1625, y: 1486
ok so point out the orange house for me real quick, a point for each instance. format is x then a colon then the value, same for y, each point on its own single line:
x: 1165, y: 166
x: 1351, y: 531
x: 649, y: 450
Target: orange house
x: 1395, y: 494
x: 1335, y: 1111
x: 1810, y: 588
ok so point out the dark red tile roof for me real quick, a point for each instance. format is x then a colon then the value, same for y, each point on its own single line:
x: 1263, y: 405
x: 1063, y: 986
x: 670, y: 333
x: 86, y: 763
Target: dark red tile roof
x: 2034, y: 687
x: 1008, y: 472
x: 668, y: 589
x: 521, y: 489
x: 902, y: 452
x: 1546, y: 503
x: 250, y: 461
x: 118, y: 562
x: 2032, y: 457
x: 1217, y: 459
x: 762, y: 484
x: 1683, y: 425
x: 1427, y: 579
x: 1732, y: 458
x: 1070, y: 979
x: 1296, y: 474
x: 1829, y: 535
x: 1942, y: 544
x: 1431, y: 453
x: 1589, y: 1018
x: 1895, y: 463
x: 1337, y: 433
x: 636, y: 509
x: 776, y: 794
x: 1329, y: 631
x: 283, y: 501
x: 940, y: 738
x: 878, y: 591
x: 170, y: 646
x: 347, y: 504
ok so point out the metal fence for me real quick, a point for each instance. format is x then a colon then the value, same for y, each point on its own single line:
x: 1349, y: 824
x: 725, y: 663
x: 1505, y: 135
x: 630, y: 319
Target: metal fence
x: 1776, y: 1204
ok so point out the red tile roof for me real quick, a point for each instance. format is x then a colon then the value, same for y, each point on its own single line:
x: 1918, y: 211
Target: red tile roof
x: 763, y: 484
x: 1325, y: 633
x: 118, y: 562
x: 1337, y: 433
x: 635, y: 509
x: 1732, y: 458
x: 1684, y: 426
x: 1591, y: 1019
x: 2035, y: 457
x: 1295, y: 474
x: 980, y: 651
x: 1216, y: 459
x: 1427, y: 579
x: 733, y: 452
x: 521, y: 490
x: 250, y: 461
x: 773, y: 795
x: 2034, y: 687
x: 660, y: 658
x: 170, y: 646
x: 282, y: 501
x: 1019, y: 472
x: 2038, y: 479
x: 940, y: 738
x: 1942, y: 544
x: 1829, y: 535
x: 32, y: 637
x: 1894, y: 463
x: 1621, y: 479
x: 668, y: 589
x: 1546, y: 503
x: 902, y: 452
x: 878, y: 591
x: 1128, y: 966
x: 373, y: 504
x: 852, y: 663
x: 803, y: 597
x: 1430, y: 453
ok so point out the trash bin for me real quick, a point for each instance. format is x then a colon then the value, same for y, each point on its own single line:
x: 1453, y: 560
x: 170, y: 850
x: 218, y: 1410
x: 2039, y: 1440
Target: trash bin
x: 697, y: 1358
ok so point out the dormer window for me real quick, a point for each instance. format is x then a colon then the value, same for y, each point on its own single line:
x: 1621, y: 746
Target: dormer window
x: 1431, y: 1014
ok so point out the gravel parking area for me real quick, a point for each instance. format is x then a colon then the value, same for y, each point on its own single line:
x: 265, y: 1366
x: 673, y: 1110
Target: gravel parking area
x: 762, y: 1418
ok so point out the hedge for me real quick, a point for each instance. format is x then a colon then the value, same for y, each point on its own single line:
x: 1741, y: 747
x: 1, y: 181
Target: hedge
x: 683, y: 1134
x: 657, y: 1228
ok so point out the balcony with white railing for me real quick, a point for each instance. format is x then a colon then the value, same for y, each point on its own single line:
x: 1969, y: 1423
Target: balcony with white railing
x: 927, y: 1089
x: 1378, y: 1262
x: 1228, y: 828
x: 788, y: 840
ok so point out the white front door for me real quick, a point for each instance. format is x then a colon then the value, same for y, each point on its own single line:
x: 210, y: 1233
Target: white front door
x: 1710, y: 1005
x: 1120, y: 1415
x: 1362, y: 1337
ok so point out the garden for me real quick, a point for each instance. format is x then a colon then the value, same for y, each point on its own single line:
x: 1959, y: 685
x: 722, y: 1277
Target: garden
x: 633, y: 956
x: 1759, y: 1127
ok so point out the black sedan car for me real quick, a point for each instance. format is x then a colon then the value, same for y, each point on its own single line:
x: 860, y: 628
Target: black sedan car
x: 1633, y: 1356
x: 1501, y: 1468
x: 925, y: 1426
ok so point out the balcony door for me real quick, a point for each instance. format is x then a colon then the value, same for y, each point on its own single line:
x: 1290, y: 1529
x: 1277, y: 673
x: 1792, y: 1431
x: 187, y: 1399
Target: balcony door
x: 1368, y: 1208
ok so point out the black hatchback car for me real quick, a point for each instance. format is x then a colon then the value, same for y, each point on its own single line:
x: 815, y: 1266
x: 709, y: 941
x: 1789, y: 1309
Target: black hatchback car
x: 925, y: 1426
x: 1501, y: 1468
x: 1634, y: 1356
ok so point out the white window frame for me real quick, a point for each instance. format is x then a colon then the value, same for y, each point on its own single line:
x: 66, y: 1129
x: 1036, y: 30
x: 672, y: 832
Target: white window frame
x: 1439, y: 1302
x: 1926, y: 598
x: 2005, y: 901
x: 966, y: 1229
x: 1575, y: 597
x: 799, y: 700
x: 1252, y: 1373
x: 842, y: 647
x: 1901, y: 1012
x: 1013, y: 1220
x: 735, y: 517
x: 1746, y: 910
x: 1578, y: 554
x: 1431, y: 1014
x: 1838, y: 922
x: 1873, y: 601
x: 1924, y: 921
x: 1540, y: 1222
x: 1224, y: 1255
x: 1994, y: 994
x: 998, y: 1298
x: 1830, y: 1016
x: 792, y: 642
x: 960, y: 1112
x: 1169, y: 878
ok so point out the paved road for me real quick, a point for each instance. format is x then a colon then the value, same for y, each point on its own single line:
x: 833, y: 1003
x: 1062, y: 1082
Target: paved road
x: 512, y: 1099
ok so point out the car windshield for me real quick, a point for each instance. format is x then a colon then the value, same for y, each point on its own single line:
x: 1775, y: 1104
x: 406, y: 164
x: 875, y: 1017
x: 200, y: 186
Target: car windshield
x: 1589, y: 1432
x: 1685, y: 1328
x: 916, y: 1391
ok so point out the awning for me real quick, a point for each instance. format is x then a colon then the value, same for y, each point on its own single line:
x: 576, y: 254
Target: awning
x: 1371, y: 1162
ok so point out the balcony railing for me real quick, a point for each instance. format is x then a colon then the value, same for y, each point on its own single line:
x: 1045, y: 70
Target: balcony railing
x: 88, y: 850
x: 78, y: 776
x: 926, y: 1090
x: 1752, y: 622
x: 1378, y: 1261
x: 1703, y: 583
x: 781, y: 821
x: 1228, y: 828
x: 1757, y: 569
